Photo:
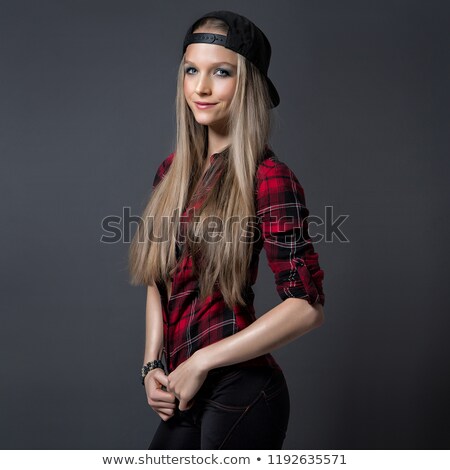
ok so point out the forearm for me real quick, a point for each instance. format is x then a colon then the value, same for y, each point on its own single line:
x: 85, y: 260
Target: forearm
x: 279, y: 326
x: 153, y: 325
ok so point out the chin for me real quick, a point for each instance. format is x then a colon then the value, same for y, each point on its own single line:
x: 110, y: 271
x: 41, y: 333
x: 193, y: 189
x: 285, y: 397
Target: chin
x: 205, y: 120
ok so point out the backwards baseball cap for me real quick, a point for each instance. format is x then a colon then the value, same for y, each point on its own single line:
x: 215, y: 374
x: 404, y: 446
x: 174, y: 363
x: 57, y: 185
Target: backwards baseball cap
x: 243, y: 37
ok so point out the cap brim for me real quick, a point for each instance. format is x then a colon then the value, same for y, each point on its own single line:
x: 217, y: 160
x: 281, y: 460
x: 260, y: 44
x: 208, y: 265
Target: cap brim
x: 274, y: 96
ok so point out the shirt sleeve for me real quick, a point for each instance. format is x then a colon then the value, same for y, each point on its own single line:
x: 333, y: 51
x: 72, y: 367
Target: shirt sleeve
x: 282, y: 216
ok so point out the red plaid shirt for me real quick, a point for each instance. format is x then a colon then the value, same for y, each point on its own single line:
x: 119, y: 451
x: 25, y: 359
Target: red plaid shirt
x: 281, y: 214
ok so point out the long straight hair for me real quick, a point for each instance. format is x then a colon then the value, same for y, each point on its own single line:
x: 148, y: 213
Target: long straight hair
x: 224, y: 262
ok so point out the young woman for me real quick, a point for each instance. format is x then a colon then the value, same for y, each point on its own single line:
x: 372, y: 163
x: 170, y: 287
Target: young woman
x: 220, y: 387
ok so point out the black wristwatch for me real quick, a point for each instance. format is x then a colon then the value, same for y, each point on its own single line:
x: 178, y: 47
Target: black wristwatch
x: 149, y: 366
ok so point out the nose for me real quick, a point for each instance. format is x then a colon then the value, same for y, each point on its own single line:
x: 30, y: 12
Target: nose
x: 202, y: 86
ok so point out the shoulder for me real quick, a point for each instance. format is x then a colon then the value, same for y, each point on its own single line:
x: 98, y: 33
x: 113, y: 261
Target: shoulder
x: 275, y: 175
x: 163, y: 168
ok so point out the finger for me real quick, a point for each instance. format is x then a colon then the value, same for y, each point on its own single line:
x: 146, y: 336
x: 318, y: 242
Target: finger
x: 183, y: 406
x: 154, y: 384
x: 158, y: 376
x: 165, y: 411
x: 161, y: 395
x: 165, y: 417
x: 164, y: 404
x: 189, y: 404
x: 161, y: 404
x: 161, y: 377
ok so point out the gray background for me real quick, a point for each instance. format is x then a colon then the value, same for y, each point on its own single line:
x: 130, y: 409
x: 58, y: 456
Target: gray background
x: 87, y: 114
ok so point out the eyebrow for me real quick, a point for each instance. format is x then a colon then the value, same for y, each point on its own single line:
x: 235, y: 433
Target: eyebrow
x: 214, y: 63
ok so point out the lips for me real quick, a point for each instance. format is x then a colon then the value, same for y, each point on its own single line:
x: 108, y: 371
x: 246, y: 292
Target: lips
x: 204, y: 105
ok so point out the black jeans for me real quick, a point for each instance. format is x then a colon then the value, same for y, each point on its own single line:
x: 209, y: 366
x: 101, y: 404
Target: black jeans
x: 236, y: 408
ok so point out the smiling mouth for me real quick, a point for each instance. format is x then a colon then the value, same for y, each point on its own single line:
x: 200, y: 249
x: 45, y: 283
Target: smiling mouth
x: 204, y: 105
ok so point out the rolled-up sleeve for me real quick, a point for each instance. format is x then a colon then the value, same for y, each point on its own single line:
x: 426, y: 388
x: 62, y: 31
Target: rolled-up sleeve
x: 282, y: 217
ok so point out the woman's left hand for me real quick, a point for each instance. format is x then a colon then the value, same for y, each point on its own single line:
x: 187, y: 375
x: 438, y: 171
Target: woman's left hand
x: 185, y: 381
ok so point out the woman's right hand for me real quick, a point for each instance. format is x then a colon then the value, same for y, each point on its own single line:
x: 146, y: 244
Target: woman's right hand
x: 161, y: 401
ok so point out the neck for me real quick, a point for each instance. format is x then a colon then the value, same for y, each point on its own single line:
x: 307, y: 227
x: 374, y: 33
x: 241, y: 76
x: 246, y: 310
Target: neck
x: 218, y: 140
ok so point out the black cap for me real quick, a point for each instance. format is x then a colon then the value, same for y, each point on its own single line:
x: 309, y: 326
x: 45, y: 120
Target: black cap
x: 243, y: 37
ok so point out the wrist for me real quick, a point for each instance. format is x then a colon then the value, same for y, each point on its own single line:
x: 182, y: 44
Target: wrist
x: 149, y: 359
x: 202, y: 358
x: 152, y: 355
x: 146, y: 368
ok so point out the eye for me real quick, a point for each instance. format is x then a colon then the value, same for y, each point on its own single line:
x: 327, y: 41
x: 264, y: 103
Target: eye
x: 187, y: 69
x: 224, y: 73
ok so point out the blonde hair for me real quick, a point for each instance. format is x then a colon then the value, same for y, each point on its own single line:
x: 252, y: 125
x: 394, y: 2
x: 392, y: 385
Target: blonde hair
x: 225, y: 262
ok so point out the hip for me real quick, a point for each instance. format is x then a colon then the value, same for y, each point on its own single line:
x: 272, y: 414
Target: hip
x: 236, y: 388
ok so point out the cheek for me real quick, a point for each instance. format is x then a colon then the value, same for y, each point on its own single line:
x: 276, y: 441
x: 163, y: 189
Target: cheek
x: 227, y: 89
x: 187, y: 88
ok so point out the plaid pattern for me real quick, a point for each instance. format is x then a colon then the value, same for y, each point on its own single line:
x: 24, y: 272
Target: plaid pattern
x: 283, y: 233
